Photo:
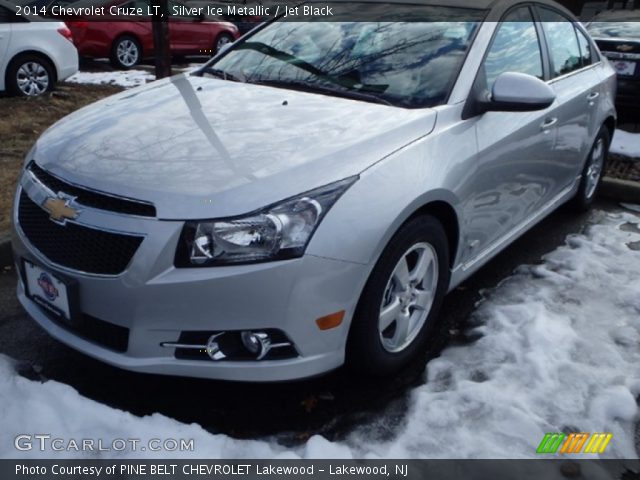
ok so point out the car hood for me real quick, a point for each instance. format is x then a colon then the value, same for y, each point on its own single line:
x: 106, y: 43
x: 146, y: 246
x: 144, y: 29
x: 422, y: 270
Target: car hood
x: 203, y: 148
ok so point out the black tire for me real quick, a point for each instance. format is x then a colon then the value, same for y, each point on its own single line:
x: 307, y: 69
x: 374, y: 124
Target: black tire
x: 587, y: 192
x: 221, y: 40
x: 126, y: 52
x: 30, y: 73
x: 366, y: 354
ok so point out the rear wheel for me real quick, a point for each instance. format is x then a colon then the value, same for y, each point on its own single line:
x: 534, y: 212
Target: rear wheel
x: 593, y: 171
x: 126, y: 52
x: 398, y: 309
x: 29, y: 76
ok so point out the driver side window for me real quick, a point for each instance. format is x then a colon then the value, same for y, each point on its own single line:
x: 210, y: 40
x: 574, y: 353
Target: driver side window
x: 515, y: 48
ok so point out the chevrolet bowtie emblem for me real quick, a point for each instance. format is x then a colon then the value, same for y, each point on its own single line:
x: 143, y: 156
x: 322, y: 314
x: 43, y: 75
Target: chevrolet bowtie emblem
x: 625, y: 48
x: 59, y: 209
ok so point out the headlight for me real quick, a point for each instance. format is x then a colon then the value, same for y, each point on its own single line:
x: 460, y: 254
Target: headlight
x: 277, y: 232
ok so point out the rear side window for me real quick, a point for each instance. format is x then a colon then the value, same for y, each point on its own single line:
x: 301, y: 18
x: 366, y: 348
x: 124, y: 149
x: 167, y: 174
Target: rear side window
x: 563, y: 42
x: 585, y: 49
x: 515, y: 48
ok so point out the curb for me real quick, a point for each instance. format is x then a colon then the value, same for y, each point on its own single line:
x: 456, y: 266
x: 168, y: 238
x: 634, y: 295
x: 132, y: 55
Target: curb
x: 6, y: 256
x: 620, y: 190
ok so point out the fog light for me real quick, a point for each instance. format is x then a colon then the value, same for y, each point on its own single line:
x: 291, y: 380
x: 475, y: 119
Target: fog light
x: 257, y: 344
x: 213, y: 348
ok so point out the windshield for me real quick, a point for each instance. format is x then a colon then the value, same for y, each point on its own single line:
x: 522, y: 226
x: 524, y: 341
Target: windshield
x: 407, y: 64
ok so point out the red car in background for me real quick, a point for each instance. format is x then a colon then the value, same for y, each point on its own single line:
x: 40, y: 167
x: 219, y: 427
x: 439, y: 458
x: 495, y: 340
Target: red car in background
x: 126, y: 42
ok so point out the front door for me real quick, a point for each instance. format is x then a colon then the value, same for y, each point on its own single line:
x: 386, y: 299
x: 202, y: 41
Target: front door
x: 516, y: 174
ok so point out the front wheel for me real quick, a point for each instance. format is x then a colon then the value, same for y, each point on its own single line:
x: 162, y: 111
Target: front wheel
x: 593, y: 171
x: 397, y: 312
x: 126, y: 52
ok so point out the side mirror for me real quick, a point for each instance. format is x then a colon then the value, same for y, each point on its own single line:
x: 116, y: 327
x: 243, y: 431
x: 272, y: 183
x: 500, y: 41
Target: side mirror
x: 519, y: 92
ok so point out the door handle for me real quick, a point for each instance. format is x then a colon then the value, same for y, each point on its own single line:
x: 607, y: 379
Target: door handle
x: 592, y: 97
x: 548, y: 123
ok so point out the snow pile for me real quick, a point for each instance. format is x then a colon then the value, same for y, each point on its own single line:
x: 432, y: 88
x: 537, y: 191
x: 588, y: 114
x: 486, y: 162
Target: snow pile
x: 626, y: 144
x: 559, y: 350
x: 29, y: 407
x: 126, y: 79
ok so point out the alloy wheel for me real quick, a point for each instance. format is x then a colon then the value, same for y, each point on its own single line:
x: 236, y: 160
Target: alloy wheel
x: 32, y: 79
x: 408, y: 297
x: 594, y: 171
x: 127, y: 52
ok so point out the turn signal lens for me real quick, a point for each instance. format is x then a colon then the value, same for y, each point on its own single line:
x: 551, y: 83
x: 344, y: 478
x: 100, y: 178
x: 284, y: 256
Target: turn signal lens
x: 330, y: 321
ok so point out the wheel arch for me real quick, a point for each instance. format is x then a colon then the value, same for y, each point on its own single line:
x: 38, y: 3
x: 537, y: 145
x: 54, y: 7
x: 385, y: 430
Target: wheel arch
x: 128, y: 33
x: 448, y: 217
x: 444, y: 213
x: 438, y: 204
x: 37, y: 53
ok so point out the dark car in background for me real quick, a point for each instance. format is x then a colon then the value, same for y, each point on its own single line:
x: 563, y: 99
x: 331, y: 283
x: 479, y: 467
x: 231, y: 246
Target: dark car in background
x: 617, y: 33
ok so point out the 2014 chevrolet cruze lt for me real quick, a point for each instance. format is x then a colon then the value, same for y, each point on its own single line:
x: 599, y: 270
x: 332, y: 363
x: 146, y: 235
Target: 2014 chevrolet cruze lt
x: 309, y: 196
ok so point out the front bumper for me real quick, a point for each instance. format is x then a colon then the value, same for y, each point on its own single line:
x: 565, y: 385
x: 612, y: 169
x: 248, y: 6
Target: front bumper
x: 156, y: 302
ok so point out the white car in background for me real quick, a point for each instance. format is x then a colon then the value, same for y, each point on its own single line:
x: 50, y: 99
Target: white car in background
x: 34, y: 54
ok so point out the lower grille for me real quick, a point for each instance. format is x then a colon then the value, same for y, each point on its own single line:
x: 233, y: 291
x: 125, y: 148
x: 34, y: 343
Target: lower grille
x: 104, y: 334
x: 108, y: 335
x: 74, y: 246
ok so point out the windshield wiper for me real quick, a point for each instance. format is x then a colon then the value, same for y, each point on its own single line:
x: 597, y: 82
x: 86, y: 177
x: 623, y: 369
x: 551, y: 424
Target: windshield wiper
x: 216, y: 72
x: 311, y: 87
x: 342, y: 80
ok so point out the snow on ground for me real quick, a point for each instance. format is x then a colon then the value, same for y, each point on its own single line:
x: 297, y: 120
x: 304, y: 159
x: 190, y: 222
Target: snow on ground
x: 559, y: 350
x: 625, y: 143
x: 126, y: 79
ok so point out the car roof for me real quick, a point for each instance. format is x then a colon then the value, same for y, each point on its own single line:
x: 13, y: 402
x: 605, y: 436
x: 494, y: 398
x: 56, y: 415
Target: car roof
x: 497, y: 6
x: 477, y: 4
x: 494, y: 5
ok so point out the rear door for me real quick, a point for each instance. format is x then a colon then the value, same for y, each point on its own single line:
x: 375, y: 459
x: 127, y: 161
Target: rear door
x: 5, y: 35
x: 577, y: 87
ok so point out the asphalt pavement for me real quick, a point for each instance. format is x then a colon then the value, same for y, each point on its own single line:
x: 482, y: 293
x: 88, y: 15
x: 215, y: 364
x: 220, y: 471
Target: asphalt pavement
x: 330, y: 405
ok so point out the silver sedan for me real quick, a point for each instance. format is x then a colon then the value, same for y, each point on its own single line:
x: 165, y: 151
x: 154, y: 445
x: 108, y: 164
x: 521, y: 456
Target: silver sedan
x: 308, y: 197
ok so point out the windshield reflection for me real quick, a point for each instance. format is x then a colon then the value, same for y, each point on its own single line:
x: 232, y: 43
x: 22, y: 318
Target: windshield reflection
x: 408, y: 64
